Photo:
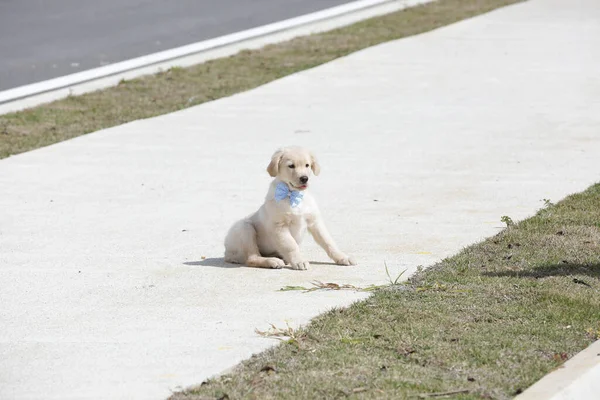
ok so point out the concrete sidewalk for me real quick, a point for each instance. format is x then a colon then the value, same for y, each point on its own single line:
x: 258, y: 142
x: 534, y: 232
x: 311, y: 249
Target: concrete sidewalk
x: 578, y: 378
x: 424, y: 144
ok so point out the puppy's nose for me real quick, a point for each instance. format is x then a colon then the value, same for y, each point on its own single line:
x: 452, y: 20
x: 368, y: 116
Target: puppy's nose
x: 303, y: 179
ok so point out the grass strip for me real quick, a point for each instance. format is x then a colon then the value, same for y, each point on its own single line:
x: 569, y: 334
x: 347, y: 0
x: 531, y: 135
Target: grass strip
x: 484, y: 324
x: 180, y: 88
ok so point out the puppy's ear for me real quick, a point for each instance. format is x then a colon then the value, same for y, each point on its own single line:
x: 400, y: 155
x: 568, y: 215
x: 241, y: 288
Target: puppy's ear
x: 273, y: 168
x: 314, y: 165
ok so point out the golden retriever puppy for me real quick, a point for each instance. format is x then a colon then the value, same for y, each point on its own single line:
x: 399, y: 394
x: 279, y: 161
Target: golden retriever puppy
x: 270, y: 237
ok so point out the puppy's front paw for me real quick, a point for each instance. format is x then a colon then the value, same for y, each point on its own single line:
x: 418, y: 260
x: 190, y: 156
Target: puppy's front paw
x: 343, y: 259
x: 300, y: 265
x: 275, y: 263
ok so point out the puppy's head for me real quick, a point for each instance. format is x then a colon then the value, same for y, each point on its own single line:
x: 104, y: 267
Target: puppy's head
x: 295, y: 166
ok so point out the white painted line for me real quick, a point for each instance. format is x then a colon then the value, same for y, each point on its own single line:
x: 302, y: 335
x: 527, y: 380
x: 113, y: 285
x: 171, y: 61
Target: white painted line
x: 577, y: 379
x: 98, y: 78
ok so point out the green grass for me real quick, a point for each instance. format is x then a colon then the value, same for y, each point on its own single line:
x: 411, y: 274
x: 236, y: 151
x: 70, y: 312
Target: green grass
x: 180, y: 88
x: 484, y: 324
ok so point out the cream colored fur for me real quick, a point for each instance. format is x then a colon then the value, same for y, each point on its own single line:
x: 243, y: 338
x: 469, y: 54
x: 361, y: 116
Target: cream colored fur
x: 270, y: 238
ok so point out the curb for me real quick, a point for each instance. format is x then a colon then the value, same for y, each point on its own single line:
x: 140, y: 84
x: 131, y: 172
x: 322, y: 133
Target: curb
x: 577, y: 379
x: 99, y: 78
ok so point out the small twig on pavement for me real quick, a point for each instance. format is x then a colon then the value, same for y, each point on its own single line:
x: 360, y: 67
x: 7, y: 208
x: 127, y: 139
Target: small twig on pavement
x: 331, y: 286
x: 318, y: 285
x: 279, y: 333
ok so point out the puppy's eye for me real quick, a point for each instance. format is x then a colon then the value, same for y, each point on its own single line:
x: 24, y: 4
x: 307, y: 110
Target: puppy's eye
x: 292, y: 166
x: 307, y: 165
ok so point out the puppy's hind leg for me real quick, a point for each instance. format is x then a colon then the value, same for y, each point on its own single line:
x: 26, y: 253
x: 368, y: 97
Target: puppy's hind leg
x: 241, y: 247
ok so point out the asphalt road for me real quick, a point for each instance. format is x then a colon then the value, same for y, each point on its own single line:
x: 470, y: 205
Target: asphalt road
x: 41, y: 39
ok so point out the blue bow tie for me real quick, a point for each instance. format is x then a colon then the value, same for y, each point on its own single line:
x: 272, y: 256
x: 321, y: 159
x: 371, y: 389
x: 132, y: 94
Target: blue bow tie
x: 282, y: 191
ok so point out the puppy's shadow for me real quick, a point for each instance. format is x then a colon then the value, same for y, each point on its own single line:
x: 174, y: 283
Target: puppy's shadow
x: 212, y: 262
x: 220, y: 263
x: 322, y: 263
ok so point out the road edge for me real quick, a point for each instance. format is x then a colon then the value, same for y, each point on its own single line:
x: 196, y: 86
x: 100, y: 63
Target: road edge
x: 31, y: 95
